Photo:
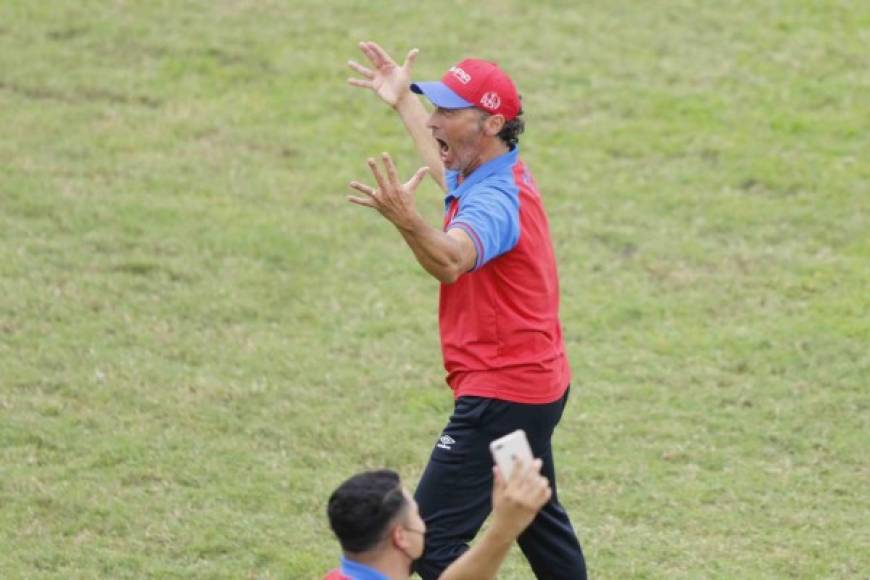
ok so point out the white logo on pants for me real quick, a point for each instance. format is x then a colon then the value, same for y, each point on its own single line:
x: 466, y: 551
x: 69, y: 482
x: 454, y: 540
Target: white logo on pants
x: 445, y: 442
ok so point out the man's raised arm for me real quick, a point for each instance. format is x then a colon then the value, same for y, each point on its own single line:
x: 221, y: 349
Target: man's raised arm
x: 514, y: 505
x: 391, y: 83
x: 446, y: 256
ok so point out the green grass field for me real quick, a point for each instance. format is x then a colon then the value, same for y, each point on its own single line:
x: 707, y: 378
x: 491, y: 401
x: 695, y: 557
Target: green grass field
x: 200, y: 338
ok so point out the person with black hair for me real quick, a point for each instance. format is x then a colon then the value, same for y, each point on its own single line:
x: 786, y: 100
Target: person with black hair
x: 381, y: 533
x: 501, y: 336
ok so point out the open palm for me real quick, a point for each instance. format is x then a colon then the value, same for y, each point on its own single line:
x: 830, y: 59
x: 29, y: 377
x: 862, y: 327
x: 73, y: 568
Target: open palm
x: 385, y: 78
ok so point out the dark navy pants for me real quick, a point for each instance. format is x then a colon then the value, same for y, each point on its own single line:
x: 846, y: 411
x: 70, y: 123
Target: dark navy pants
x: 455, y: 491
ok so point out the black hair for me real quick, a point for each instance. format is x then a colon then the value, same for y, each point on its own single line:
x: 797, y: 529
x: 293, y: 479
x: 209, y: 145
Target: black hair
x: 362, y: 507
x: 511, y: 131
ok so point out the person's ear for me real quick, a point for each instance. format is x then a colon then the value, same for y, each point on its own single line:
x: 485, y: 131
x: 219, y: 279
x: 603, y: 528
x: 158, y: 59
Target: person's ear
x: 494, y: 124
x: 399, y: 537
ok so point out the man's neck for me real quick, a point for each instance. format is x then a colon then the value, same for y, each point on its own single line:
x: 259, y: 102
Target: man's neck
x: 488, y: 151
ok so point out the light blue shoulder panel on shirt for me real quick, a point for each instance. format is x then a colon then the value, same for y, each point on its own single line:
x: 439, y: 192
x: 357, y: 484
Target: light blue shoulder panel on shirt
x: 491, y: 217
x: 489, y: 207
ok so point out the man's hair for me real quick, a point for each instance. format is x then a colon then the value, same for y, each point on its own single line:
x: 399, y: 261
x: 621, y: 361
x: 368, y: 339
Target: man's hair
x: 362, y: 507
x: 510, y: 132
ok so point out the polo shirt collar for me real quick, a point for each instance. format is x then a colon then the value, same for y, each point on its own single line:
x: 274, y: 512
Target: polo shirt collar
x: 359, y: 571
x: 506, y: 160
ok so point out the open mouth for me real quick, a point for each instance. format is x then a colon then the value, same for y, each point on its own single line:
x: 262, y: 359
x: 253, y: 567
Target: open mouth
x: 442, y: 144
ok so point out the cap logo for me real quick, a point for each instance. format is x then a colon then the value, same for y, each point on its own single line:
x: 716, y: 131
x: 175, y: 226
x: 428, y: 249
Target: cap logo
x: 490, y: 100
x: 462, y: 76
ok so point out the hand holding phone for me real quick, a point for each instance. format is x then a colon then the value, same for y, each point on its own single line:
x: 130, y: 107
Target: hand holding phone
x: 506, y: 450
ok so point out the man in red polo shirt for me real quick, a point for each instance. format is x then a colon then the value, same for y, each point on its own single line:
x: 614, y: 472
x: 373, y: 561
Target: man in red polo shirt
x: 499, y: 307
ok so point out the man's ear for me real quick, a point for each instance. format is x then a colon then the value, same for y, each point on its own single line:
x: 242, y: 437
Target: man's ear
x: 494, y: 124
x: 398, y: 537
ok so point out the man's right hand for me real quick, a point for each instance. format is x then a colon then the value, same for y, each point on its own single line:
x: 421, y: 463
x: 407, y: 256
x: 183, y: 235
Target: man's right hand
x: 385, y: 78
x: 516, y: 503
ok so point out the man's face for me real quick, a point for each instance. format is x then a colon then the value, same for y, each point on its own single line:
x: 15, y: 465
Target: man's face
x: 459, y: 133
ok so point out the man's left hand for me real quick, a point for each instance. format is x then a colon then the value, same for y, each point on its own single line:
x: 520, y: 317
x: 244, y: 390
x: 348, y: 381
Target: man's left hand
x: 393, y: 199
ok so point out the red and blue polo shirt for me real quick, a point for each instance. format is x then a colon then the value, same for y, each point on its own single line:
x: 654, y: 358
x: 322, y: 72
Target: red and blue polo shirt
x: 500, y: 332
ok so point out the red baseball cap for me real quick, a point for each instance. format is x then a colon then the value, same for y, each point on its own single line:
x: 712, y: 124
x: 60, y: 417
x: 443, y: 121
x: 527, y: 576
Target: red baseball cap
x: 473, y: 83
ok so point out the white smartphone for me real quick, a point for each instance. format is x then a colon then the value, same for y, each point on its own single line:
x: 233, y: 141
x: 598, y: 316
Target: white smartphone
x: 508, y: 448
